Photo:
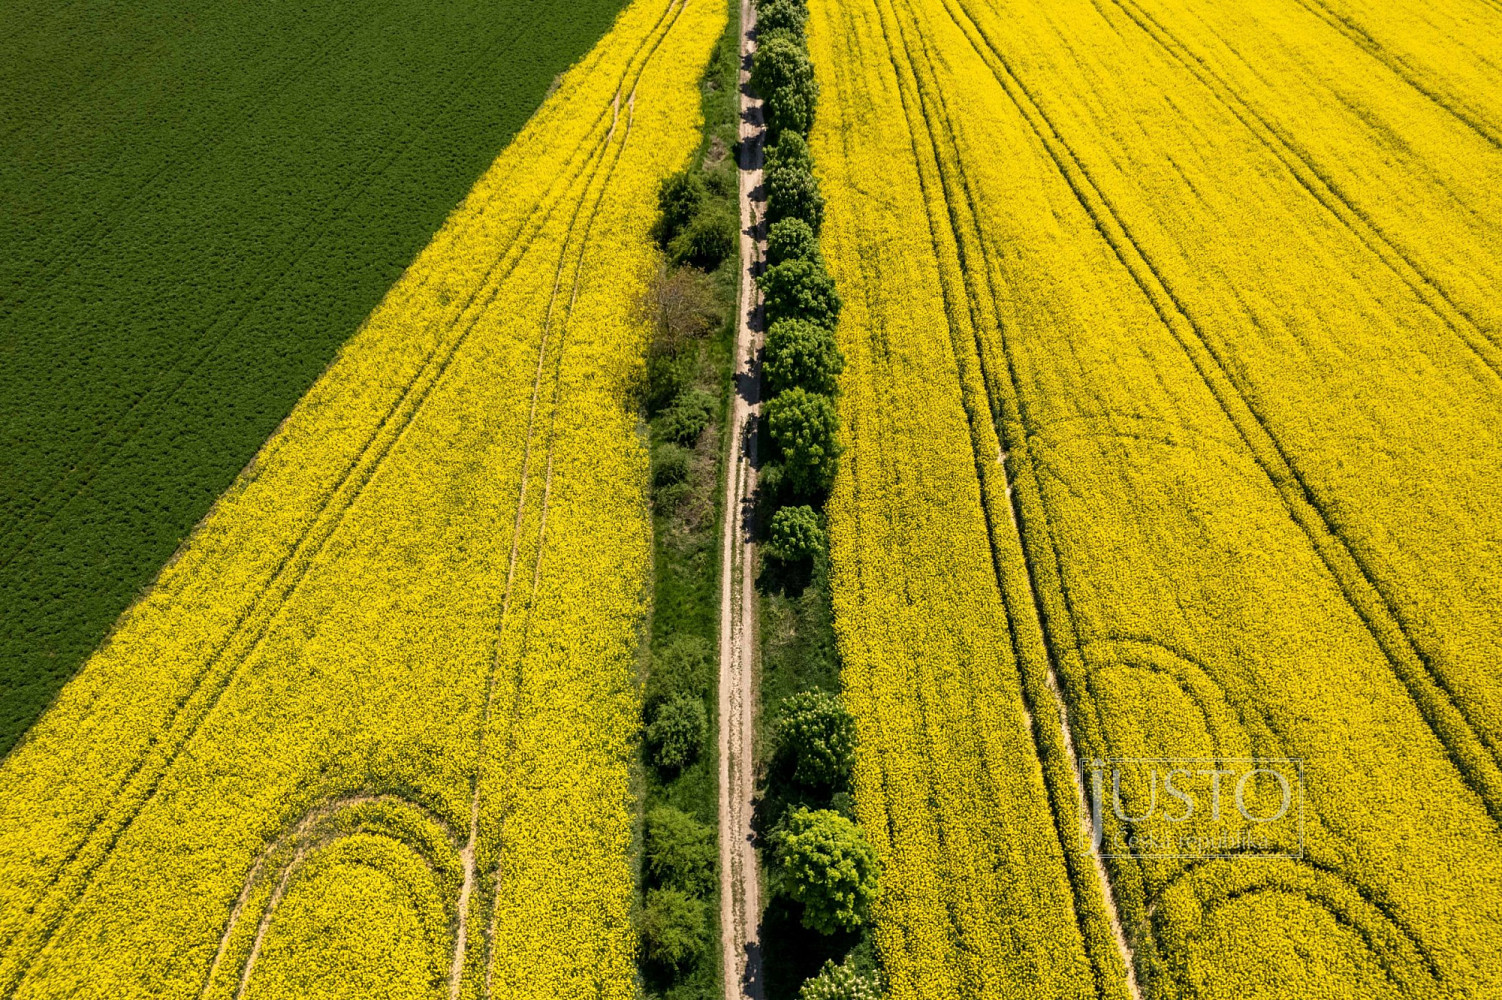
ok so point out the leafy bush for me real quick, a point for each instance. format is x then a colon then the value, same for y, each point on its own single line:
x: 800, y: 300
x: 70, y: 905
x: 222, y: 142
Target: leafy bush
x: 800, y: 289
x: 818, y: 732
x: 682, y: 665
x: 670, y: 464
x: 843, y: 982
x: 686, y: 419
x: 677, y: 731
x: 673, y: 926
x: 795, y: 535
x: 709, y: 238
x: 682, y: 303
x: 788, y: 16
x: 791, y: 239
x: 680, y: 851
x: 679, y: 199
x: 825, y: 863
x: 793, y: 193
x: 783, y: 76
x: 803, y: 355
x: 803, y: 426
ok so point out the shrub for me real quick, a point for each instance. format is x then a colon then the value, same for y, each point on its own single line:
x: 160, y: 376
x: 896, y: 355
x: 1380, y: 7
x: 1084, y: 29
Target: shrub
x: 667, y: 375
x: 817, y: 731
x: 795, y: 535
x: 843, y: 982
x: 673, y: 927
x: 677, y: 731
x: 793, y: 193
x: 680, y: 851
x: 709, y: 238
x: 803, y: 355
x: 670, y: 464
x: 682, y: 665
x: 788, y: 16
x: 803, y: 426
x: 679, y: 200
x: 825, y: 863
x: 791, y: 239
x: 686, y: 418
x: 800, y: 289
x: 783, y: 76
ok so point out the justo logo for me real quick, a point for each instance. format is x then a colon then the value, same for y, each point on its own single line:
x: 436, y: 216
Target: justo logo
x: 1194, y: 807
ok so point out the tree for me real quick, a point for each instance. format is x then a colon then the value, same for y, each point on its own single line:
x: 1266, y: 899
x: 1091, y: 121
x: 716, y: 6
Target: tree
x: 683, y: 665
x: 804, y: 426
x: 708, y: 239
x: 677, y: 731
x: 680, y: 851
x: 817, y: 730
x: 795, y: 535
x: 672, y: 927
x: 781, y: 15
x: 793, y: 193
x: 783, y: 76
x: 679, y: 200
x: 686, y: 419
x: 800, y: 289
x: 788, y: 152
x: 843, y: 982
x: 825, y: 863
x: 803, y: 355
x: 791, y: 239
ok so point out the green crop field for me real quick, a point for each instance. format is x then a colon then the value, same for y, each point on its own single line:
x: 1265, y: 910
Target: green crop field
x: 198, y: 204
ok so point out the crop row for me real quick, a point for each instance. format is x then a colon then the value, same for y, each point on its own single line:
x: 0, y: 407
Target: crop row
x: 385, y: 693
x: 1213, y: 409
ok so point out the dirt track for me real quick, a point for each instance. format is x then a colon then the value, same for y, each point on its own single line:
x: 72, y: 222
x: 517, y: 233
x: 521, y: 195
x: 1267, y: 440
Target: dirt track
x: 740, y: 892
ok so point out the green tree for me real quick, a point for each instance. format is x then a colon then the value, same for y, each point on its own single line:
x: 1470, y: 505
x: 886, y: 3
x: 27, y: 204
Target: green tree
x: 842, y: 982
x: 825, y: 863
x: 686, y: 418
x: 803, y: 355
x: 818, y: 732
x: 804, y: 426
x: 800, y: 289
x: 709, y: 238
x: 673, y: 926
x: 793, y: 193
x: 791, y: 239
x: 680, y: 851
x: 783, y: 76
x: 679, y: 200
x: 790, y: 151
x: 788, y: 16
x: 677, y: 731
x: 795, y: 534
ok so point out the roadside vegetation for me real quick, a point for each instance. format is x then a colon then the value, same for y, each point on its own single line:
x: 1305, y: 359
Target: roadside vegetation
x: 821, y: 872
x: 691, y: 305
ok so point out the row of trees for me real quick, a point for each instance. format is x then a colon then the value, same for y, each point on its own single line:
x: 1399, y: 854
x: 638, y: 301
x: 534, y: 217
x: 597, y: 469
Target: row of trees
x: 822, y: 861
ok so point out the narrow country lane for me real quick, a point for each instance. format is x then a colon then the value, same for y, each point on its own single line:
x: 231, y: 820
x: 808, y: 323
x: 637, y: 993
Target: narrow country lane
x: 740, y: 895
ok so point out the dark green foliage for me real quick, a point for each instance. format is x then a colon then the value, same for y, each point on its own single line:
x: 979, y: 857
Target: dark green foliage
x: 804, y: 427
x: 796, y: 535
x: 801, y: 354
x: 679, y: 200
x: 682, y: 664
x: 800, y: 289
x: 793, y: 193
x: 825, y: 863
x: 709, y: 238
x: 790, y: 152
x: 670, y: 464
x: 668, y: 374
x: 680, y: 851
x: 781, y: 15
x: 783, y: 76
x: 791, y: 239
x: 201, y: 203
x: 677, y: 731
x: 685, y: 420
x: 674, y: 928
x: 816, y: 730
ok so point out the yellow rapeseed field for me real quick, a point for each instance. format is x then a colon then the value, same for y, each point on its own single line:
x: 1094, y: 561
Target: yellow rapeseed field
x: 1173, y: 338
x: 370, y: 732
